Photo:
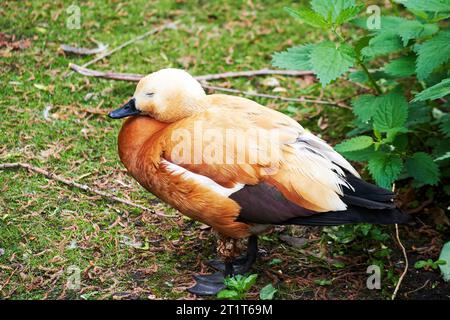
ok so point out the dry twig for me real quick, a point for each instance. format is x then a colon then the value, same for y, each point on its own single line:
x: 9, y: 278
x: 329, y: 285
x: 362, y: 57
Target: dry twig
x: 83, y: 51
x: 397, y: 235
x: 253, y: 73
x: 74, y: 184
x: 107, y: 75
x: 270, y: 96
x: 136, y: 77
x: 8, y: 280
x: 170, y: 25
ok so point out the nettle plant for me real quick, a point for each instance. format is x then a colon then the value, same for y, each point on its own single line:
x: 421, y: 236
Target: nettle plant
x: 402, y: 125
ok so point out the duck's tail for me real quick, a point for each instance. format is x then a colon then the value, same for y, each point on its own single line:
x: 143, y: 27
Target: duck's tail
x: 365, y: 203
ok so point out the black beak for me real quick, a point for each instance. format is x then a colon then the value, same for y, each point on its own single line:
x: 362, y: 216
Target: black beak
x: 128, y: 109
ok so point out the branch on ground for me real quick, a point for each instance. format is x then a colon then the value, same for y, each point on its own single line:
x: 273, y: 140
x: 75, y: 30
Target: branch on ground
x: 86, y: 188
x: 133, y: 77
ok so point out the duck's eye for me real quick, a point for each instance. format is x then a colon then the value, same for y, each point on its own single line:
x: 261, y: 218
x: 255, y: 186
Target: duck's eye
x: 149, y: 94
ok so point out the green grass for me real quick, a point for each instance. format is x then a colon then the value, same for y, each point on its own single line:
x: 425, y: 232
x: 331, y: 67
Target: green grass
x: 46, y: 227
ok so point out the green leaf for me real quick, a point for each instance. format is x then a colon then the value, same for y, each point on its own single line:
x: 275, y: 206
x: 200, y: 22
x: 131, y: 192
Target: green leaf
x: 310, y: 17
x: 322, y: 282
x: 428, y: 5
x: 422, y: 168
x: 391, y: 112
x: 418, y: 113
x: 348, y: 14
x: 249, y: 281
x: 267, y: 292
x: 341, y: 234
x: 295, y: 58
x: 429, y: 29
x: 445, y: 256
x: 385, y: 168
x: 432, y: 54
x: 329, y: 61
x: 435, y: 92
x: 382, y: 44
x: 354, y: 144
x: 234, y: 283
x: 401, y: 67
x: 420, y: 264
x: 331, y: 9
x: 444, y: 125
x: 228, y: 294
x: 406, y: 29
x: 358, y: 76
x: 360, y: 155
x: 361, y: 44
x: 391, y: 134
x: 364, y: 106
x: 359, y: 128
x: 409, y: 29
x: 275, y: 262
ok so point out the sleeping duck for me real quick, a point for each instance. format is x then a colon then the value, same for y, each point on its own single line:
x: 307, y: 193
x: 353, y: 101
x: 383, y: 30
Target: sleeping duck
x: 238, y: 167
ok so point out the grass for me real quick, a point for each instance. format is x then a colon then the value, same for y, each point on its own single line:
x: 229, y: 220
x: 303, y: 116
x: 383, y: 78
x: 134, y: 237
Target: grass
x: 121, y: 252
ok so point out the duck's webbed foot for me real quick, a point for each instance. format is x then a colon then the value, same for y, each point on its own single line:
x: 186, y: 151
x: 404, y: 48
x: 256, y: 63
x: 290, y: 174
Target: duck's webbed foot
x: 208, y: 284
x: 211, y: 284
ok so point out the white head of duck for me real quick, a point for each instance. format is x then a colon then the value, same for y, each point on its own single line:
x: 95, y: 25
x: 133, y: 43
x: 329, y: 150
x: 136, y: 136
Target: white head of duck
x: 167, y: 95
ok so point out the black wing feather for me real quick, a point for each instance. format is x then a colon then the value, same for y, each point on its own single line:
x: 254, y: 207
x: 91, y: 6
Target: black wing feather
x: 264, y: 203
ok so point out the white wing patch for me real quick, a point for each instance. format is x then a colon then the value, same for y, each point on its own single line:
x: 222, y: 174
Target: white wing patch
x: 202, y: 180
x: 321, y: 165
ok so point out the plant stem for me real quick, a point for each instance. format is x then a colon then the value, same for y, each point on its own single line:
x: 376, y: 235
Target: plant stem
x: 363, y: 66
x: 369, y: 76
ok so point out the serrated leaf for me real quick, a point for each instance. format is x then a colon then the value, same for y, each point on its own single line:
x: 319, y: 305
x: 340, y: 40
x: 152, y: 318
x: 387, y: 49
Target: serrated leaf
x: 361, y: 44
x: 418, y: 113
x: 435, y: 92
x: 409, y: 29
x: 385, y: 168
x: 268, y: 292
x: 331, y: 9
x: 348, y: 14
x: 354, y: 144
x: 249, y: 281
x: 405, y: 29
x: 432, y: 54
x: 360, y: 155
x: 295, y: 58
x: 429, y: 29
x: 387, y: 24
x: 401, y: 67
x: 428, y: 5
x: 445, y: 256
x: 364, y: 106
x: 422, y: 168
x: 382, y: 44
x: 391, y: 112
x: 309, y: 16
x: 358, y: 76
x: 444, y: 125
x: 391, y: 134
x: 329, y: 62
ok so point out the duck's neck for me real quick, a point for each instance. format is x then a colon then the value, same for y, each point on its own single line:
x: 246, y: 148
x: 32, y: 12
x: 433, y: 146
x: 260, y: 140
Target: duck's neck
x: 135, y: 131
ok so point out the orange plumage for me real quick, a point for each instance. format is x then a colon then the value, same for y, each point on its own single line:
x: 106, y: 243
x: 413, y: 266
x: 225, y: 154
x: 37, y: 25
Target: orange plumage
x: 236, y: 165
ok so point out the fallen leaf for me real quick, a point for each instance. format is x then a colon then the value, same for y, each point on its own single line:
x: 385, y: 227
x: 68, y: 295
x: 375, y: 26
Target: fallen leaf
x: 293, y: 241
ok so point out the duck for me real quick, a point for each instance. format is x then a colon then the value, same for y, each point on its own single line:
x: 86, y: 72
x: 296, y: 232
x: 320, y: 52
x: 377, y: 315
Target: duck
x: 239, y: 167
